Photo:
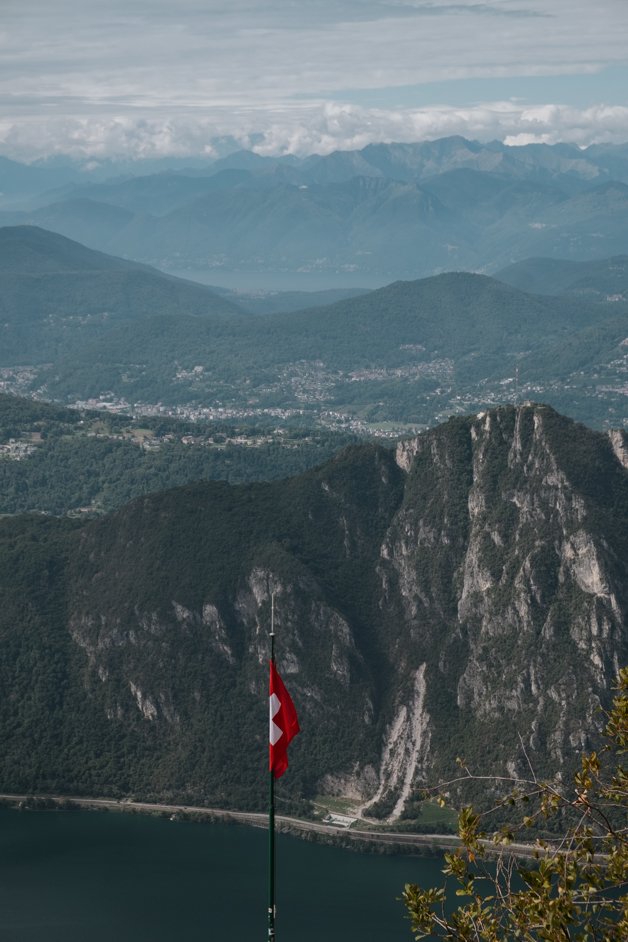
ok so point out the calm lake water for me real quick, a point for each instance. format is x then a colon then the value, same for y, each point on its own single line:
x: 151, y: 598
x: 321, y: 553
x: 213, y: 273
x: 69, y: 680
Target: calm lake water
x: 98, y: 877
x: 282, y: 280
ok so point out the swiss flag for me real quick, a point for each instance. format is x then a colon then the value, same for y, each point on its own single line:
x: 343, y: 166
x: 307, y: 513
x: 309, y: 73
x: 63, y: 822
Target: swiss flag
x: 284, y: 724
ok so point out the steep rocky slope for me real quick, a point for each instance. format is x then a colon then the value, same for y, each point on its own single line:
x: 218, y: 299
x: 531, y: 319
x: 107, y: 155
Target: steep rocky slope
x: 464, y: 596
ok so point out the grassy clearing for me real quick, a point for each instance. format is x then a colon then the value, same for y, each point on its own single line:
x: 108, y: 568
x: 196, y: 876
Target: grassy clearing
x: 328, y: 804
x: 431, y: 814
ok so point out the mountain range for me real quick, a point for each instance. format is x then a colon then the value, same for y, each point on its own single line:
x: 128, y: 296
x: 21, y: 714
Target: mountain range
x: 398, y: 210
x: 80, y: 325
x: 601, y: 280
x: 464, y: 595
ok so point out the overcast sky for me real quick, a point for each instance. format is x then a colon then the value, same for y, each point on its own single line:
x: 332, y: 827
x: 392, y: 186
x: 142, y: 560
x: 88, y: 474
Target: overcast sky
x: 149, y: 78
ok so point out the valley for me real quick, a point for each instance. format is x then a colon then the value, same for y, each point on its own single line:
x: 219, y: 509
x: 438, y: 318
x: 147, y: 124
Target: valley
x: 314, y: 420
x: 404, y: 467
x: 88, y: 329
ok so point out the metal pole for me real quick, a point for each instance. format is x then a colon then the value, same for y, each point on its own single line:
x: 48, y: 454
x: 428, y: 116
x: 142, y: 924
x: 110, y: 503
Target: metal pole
x: 271, y: 806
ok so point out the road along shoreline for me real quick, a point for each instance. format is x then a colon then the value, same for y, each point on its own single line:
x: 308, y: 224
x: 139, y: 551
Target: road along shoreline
x: 403, y: 841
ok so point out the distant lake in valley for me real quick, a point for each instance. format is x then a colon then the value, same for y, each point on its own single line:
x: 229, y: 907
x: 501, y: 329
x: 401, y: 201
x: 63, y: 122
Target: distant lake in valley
x: 112, y: 877
x: 270, y: 281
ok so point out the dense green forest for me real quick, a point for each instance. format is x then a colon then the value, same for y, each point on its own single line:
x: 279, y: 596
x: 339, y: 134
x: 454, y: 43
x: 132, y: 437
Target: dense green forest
x: 447, y: 593
x: 58, y: 460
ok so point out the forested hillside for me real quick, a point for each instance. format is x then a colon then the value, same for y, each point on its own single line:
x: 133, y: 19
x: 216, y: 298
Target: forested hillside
x: 468, y: 591
x: 56, y: 295
x: 58, y: 460
x: 407, y: 355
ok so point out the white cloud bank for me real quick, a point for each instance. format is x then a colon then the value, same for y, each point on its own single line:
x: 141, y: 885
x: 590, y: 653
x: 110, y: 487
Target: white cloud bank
x: 318, y: 128
x: 347, y: 127
x: 151, y: 78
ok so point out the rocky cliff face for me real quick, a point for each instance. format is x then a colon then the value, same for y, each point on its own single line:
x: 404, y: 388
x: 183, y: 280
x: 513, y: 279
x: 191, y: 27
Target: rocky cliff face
x: 464, y: 596
x: 511, y: 575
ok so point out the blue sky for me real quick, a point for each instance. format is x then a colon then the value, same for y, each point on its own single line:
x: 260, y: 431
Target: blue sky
x: 102, y: 78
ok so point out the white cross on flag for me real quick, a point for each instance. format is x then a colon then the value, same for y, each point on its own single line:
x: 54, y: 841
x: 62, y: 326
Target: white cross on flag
x: 284, y: 724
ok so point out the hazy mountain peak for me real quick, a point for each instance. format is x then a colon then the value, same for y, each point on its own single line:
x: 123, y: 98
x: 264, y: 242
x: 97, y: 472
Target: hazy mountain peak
x: 34, y: 249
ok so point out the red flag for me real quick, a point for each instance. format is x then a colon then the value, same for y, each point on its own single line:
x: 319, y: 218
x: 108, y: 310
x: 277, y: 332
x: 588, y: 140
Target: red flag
x: 284, y: 724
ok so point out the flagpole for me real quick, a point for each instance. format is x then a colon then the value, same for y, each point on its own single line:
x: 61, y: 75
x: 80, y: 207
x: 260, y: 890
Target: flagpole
x: 271, y: 805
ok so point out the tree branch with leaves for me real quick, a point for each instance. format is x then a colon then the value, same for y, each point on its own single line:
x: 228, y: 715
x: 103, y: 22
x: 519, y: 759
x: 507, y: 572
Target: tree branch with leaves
x: 575, y: 888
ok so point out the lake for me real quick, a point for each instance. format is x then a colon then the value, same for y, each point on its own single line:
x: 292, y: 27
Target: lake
x: 267, y: 281
x: 98, y: 877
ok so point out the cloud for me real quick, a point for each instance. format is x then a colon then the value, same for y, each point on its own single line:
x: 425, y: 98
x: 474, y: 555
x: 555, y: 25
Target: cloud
x: 470, y: 7
x: 346, y: 127
x: 319, y: 127
x: 190, y: 53
x: 95, y: 76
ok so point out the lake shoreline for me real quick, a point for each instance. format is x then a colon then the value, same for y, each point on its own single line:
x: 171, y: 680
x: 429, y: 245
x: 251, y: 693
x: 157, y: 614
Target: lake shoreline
x: 361, y: 840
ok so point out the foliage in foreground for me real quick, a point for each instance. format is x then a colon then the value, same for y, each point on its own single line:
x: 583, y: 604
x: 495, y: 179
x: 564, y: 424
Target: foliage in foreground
x: 576, y: 889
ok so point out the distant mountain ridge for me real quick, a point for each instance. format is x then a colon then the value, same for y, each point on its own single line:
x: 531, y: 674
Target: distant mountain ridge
x: 56, y: 294
x: 400, y: 210
x: 446, y: 600
x: 604, y: 280
x: 30, y: 250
